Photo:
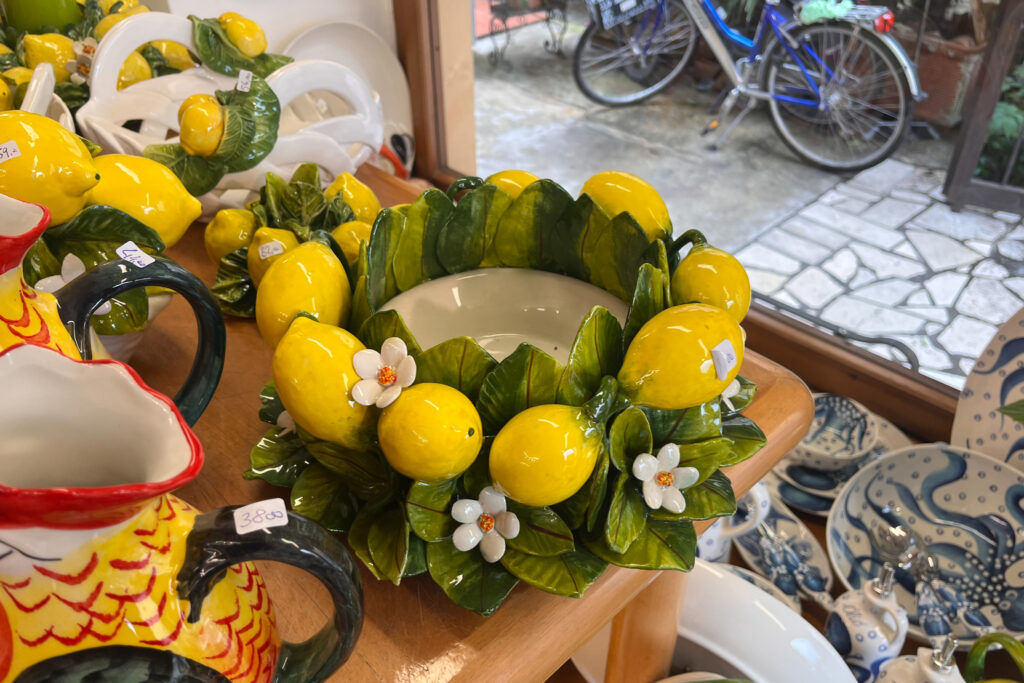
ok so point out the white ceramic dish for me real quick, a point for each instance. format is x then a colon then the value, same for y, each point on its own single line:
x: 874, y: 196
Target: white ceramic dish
x: 502, y: 308
x: 764, y: 584
x: 796, y: 497
x: 996, y: 380
x: 842, y: 433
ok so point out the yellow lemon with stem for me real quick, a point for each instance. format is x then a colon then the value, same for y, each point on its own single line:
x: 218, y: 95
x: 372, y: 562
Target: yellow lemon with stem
x: 350, y: 235
x: 176, y: 54
x: 134, y: 70
x: 111, y: 20
x: 268, y: 245
x: 357, y: 195
x: 53, y: 48
x: 618, y: 191
x: 201, y: 122
x: 19, y: 74
x: 230, y: 230
x: 512, y: 181
x: 244, y: 33
x: 710, y: 275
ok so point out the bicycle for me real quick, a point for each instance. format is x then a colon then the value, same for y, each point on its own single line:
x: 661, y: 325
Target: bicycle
x: 840, y: 92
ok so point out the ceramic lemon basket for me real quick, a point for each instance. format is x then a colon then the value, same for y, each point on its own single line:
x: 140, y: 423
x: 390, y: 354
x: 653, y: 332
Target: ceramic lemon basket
x: 490, y: 469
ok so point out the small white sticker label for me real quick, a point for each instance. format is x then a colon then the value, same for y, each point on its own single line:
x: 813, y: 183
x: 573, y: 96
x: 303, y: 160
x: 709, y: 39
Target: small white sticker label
x: 130, y: 252
x: 9, y: 150
x: 244, y: 81
x: 262, y: 515
x: 270, y: 249
x: 724, y: 357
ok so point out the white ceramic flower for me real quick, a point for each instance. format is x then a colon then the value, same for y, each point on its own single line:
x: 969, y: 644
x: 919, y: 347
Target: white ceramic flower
x: 730, y: 391
x: 383, y: 374
x: 286, y: 422
x: 485, y: 522
x: 80, y: 68
x: 70, y: 268
x: 663, y: 480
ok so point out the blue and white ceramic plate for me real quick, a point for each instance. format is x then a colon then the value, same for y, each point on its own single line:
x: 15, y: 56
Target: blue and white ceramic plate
x: 996, y: 380
x: 791, y: 601
x: 841, y: 434
x: 967, y: 507
x: 797, y: 498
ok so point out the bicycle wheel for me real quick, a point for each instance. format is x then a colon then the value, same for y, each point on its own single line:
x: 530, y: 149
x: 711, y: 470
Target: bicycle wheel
x: 866, y: 104
x: 637, y: 59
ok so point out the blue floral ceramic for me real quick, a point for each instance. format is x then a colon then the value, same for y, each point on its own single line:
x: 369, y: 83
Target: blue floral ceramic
x: 867, y: 627
x: 965, y: 506
x: 797, y: 498
x: 842, y: 433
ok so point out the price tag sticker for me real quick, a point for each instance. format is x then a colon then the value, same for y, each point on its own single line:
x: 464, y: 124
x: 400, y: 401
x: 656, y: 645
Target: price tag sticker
x: 130, y: 252
x: 9, y: 150
x: 262, y: 515
x: 270, y: 249
x: 244, y: 81
x: 724, y: 356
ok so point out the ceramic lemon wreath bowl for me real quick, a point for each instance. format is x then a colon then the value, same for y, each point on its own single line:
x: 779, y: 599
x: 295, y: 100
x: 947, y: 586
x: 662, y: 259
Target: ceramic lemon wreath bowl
x: 512, y: 386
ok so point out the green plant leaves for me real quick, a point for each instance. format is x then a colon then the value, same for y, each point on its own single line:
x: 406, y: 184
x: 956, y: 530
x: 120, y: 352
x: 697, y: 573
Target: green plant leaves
x: 568, y: 574
x: 1013, y: 410
x: 705, y: 456
x: 388, y: 541
x: 100, y: 224
x: 629, y: 436
x: 271, y: 406
x: 367, y: 475
x: 383, y: 325
x: 662, y: 545
x: 713, y: 497
x: 467, y: 240
x: 468, y: 580
x: 648, y: 301
x: 381, y: 253
x: 527, y: 377
x: 626, y: 515
x: 428, y: 507
x: 322, y: 496
x: 597, y: 488
x: 278, y: 460
x: 233, y: 288
x: 527, y: 228
x: 219, y: 54
x: 595, y: 353
x: 610, y: 249
x: 415, y: 259
x: 359, y: 535
x: 746, y: 437
x: 741, y: 400
x: 541, y: 531
x: 460, y: 363
x: 685, y: 425
x: 197, y: 174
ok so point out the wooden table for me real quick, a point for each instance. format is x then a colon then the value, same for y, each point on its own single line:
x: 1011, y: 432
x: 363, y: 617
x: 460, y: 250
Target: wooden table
x: 413, y: 632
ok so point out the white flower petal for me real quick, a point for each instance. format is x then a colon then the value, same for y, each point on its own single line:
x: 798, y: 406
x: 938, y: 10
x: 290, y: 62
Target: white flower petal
x: 393, y: 351
x: 668, y: 457
x: 367, y: 364
x: 491, y: 501
x: 492, y: 547
x: 652, y: 494
x: 684, y: 477
x: 467, y: 536
x: 406, y: 372
x: 732, y: 389
x: 366, y: 392
x: 645, y: 467
x: 49, y: 284
x: 388, y: 396
x: 507, y: 524
x: 466, y: 510
x: 286, y: 422
x: 103, y: 309
x: 71, y: 267
x: 672, y: 500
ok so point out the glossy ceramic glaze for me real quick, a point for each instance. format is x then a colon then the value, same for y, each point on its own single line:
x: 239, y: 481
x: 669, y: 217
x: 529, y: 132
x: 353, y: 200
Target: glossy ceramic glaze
x: 716, y: 542
x: 996, y: 380
x: 843, y: 432
x: 617, y: 191
x: 40, y: 98
x: 797, y: 498
x: 712, y: 276
x: 963, y: 505
x: 919, y: 668
x: 502, y: 308
x: 764, y: 584
x: 868, y: 628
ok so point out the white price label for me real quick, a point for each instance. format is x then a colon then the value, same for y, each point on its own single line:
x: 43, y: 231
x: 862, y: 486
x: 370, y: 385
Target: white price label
x: 626, y: 5
x: 9, y: 150
x: 130, y: 252
x: 724, y: 356
x: 270, y: 249
x: 262, y: 515
x: 244, y: 81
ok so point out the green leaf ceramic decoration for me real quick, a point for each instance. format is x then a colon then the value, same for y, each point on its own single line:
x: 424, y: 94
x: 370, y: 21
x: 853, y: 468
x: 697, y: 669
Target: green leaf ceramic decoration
x: 662, y: 545
x: 381, y: 254
x: 388, y: 540
x: 738, y: 395
x: 467, y: 240
x: 706, y: 456
x: 528, y: 377
x: 416, y: 254
x: 648, y: 301
x: 541, y: 531
x: 663, y: 480
x: 382, y: 325
x: 321, y: 495
x: 595, y: 353
x: 524, y: 237
x: 746, y: 437
x: 233, y: 287
x: 711, y: 498
x: 427, y: 506
x: 686, y: 425
x: 460, y: 363
x: 278, y: 460
x: 568, y: 574
x: 365, y: 474
x: 220, y: 54
x: 467, y: 579
x: 626, y: 516
x: 629, y: 436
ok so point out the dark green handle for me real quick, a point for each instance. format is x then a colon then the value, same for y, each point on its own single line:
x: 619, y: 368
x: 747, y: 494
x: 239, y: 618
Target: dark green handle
x: 79, y: 298
x: 470, y: 182
x: 694, y: 237
x: 214, y: 545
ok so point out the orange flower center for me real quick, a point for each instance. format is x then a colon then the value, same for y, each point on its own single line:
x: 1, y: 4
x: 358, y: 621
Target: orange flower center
x: 387, y: 376
x: 83, y: 69
x: 665, y: 479
x: 485, y: 522
x: 88, y: 49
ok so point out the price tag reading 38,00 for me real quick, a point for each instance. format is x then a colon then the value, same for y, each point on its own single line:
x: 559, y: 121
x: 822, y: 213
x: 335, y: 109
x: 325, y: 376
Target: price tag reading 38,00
x: 262, y: 515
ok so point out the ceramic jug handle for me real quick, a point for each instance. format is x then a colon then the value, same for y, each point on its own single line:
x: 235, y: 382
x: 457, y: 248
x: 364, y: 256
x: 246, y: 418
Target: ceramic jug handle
x: 79, y: 298
x: 214, y: 545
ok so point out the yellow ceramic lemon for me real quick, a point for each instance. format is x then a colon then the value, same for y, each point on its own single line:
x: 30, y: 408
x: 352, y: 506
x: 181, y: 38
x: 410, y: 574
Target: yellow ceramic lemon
x: 53, y: 167
x: 349, y: 235
x: 54, y: 48
x: 617, y: 191
x: 512, y: 181
x: 147, y: 191
x: 176, y: 54
x: 111, y: 20
x: 126, y: 5
x: 430, y: 433
x: 268, y: 245
x: 310, y: 279
x: 4, y: 50
x: 19, y: 74
x: 201, y: 122
x: 313, y: 372
x: 6, y: 96
x: 709, y: 275
x: 682, y: 357
x: 245, y: 34
x: 545, y: 454
x: 134, y: 69
x: 357, y: 195
x: 230, y: 230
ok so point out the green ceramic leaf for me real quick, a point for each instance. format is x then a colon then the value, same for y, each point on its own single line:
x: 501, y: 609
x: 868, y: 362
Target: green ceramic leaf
x: 631, y: 246
x: 271, y: 406
x: 712, y: 498
x: 606, y: 402
x: 365, y: 474
x: 747, y: 438
x: 103, y: 224
x: 197, y: 174
x: 130, y: 309
x: 38, y: 263
x: 308, y: 173
x: 360, y: 312
x: 478, y: 476
x: 233, y: 288
x: 626, y: 514
x: 573, y: 234
x: 685, y: 425
x: 656, y: 255
x: 569, y: 574
x: 338, y: 212
x: 219, y: 54
x: 358, y: 537
x: 1013, y: 410
x: 388, y: 540
x: 383, y: 325
x: 460, y: 363
x: 381, y: 252
x: 648, y: 301
x: 278, y: 460
x: 742, y: 399
x: 268, y: 63
x: 596, y: 352
x: 629, y: 436
x: 706, y: 456
x: 524, y: 237
x: 417, y: 562
x: 416, y: 255
x: 272, y: 200
x: 305, y: 203
x: 611, y: 249
x: 597, y: 490
x: 662, y: 545
x: 363, y: 262
x: 467, y: 240
x: 250, y: 126
x: 541, y: 531
x: 464, y: 184
x: 428, y: 507
x: 527, y: 377
x: 468, y: 580
x: 322, y: 496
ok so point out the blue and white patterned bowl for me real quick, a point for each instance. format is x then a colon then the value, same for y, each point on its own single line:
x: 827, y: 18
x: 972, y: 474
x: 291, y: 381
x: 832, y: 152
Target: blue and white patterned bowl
x: 966, y: 506
x: 842, y: 433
